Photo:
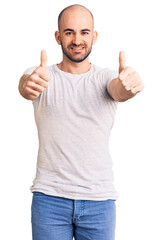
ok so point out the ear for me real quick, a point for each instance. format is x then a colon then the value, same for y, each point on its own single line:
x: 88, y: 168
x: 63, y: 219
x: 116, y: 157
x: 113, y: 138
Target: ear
x: 57, y: 37
x: 95, y: 35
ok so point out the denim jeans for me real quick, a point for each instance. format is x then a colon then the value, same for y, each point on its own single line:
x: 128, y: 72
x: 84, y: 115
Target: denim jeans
x: 58, y: 218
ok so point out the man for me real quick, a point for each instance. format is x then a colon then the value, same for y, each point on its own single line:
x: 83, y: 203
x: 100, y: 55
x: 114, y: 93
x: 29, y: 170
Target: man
x: 74, y: 105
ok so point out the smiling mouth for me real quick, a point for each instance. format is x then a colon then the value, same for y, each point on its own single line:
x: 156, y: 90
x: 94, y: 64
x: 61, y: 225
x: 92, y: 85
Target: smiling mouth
x: 77, y: 49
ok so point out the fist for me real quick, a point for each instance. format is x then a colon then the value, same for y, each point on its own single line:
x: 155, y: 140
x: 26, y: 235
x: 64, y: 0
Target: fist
x: 38, y: 80
x: 130, y: 80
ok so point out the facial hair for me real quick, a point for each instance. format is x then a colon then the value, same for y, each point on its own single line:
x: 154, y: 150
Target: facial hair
x: 69, y: 56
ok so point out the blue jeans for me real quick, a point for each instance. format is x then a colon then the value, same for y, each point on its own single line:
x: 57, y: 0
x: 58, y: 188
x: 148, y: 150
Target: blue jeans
x: 57, y: 218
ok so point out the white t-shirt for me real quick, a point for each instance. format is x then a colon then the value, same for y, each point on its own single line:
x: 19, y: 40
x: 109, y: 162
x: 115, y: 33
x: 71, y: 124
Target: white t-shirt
x: 74, y: 116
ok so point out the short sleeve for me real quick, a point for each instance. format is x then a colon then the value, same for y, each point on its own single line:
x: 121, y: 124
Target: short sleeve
x: 112, y: 74
x: 30, y: 70
x: 106, y: 76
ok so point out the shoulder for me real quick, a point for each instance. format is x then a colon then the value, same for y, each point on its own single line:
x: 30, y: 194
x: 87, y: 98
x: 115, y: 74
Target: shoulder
x: 105, y: 74
x: 51, y: 67
x: 31, y: 69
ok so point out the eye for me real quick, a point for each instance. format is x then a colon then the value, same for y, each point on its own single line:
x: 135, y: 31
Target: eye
x: 85, y: 33
x: 68, y: 33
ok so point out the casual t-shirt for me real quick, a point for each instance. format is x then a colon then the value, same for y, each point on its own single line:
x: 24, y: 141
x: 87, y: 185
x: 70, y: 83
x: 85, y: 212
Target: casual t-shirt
x: 74, y: 117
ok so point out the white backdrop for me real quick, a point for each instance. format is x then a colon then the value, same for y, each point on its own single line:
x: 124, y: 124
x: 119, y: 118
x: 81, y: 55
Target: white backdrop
x: 132, y: 26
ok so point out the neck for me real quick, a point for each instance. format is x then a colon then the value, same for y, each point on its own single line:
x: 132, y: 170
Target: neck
x: 75, y: 68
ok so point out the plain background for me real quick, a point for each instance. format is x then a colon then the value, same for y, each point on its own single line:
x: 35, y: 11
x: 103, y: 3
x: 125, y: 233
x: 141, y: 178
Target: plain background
x: 132, y: 26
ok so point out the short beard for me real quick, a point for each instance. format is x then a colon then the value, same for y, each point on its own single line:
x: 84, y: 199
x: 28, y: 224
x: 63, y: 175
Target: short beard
x: 73, y: 59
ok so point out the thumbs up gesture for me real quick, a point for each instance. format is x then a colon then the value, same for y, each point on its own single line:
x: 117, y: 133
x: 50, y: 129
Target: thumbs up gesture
x: 34, y: 84
x: 130, y: 82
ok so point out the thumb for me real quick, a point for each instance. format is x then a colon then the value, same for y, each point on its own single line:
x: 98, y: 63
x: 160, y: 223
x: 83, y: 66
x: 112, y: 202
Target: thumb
x: 122, y: 60
x: 43, y: 59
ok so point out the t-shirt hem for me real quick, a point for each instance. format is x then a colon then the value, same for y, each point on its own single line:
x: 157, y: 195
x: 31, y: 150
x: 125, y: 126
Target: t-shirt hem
x: 75, y: 197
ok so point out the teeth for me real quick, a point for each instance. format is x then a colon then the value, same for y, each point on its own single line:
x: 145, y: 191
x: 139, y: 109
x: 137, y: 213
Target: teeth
x: 77, y: 48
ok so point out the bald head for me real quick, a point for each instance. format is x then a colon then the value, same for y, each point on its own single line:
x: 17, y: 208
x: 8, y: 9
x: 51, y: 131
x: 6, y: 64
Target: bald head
x: 76, y: 8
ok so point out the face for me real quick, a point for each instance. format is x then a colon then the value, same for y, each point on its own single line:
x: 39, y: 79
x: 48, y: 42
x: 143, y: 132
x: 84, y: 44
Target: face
x: 76, y: 51
x: 76, y: 35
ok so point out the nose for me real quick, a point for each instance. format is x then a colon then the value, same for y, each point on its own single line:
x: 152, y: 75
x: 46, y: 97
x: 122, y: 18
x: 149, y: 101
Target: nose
x: 77, y: 39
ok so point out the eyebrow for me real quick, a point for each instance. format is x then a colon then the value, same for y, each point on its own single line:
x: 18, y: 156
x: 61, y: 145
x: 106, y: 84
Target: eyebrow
x: 86, y: 30
x: 71, y: 30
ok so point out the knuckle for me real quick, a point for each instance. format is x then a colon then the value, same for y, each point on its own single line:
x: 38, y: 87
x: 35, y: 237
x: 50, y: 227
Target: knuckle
x: 127, y: 88
x: 32, y: 77
x: 132, y: 91
x: 120, y: 78
x: 27, y: 89
x: 127, y: 68
x: 37, y: 94
x: 42, y: 85
x: 124, y: 83
x: 37, y: 70
x: 41, y: 89
x: 45, y: 84
x: 130, y: 70
x: 48, y: 78
x: 28, y: 84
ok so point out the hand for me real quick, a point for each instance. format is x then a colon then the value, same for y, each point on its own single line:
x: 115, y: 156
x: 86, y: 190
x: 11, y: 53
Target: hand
x: 130, y: 80
x: 38, y: 80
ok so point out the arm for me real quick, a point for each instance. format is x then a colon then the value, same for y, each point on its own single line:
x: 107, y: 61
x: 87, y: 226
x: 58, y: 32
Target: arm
x: 128, y: 83
x: 31, y: 86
